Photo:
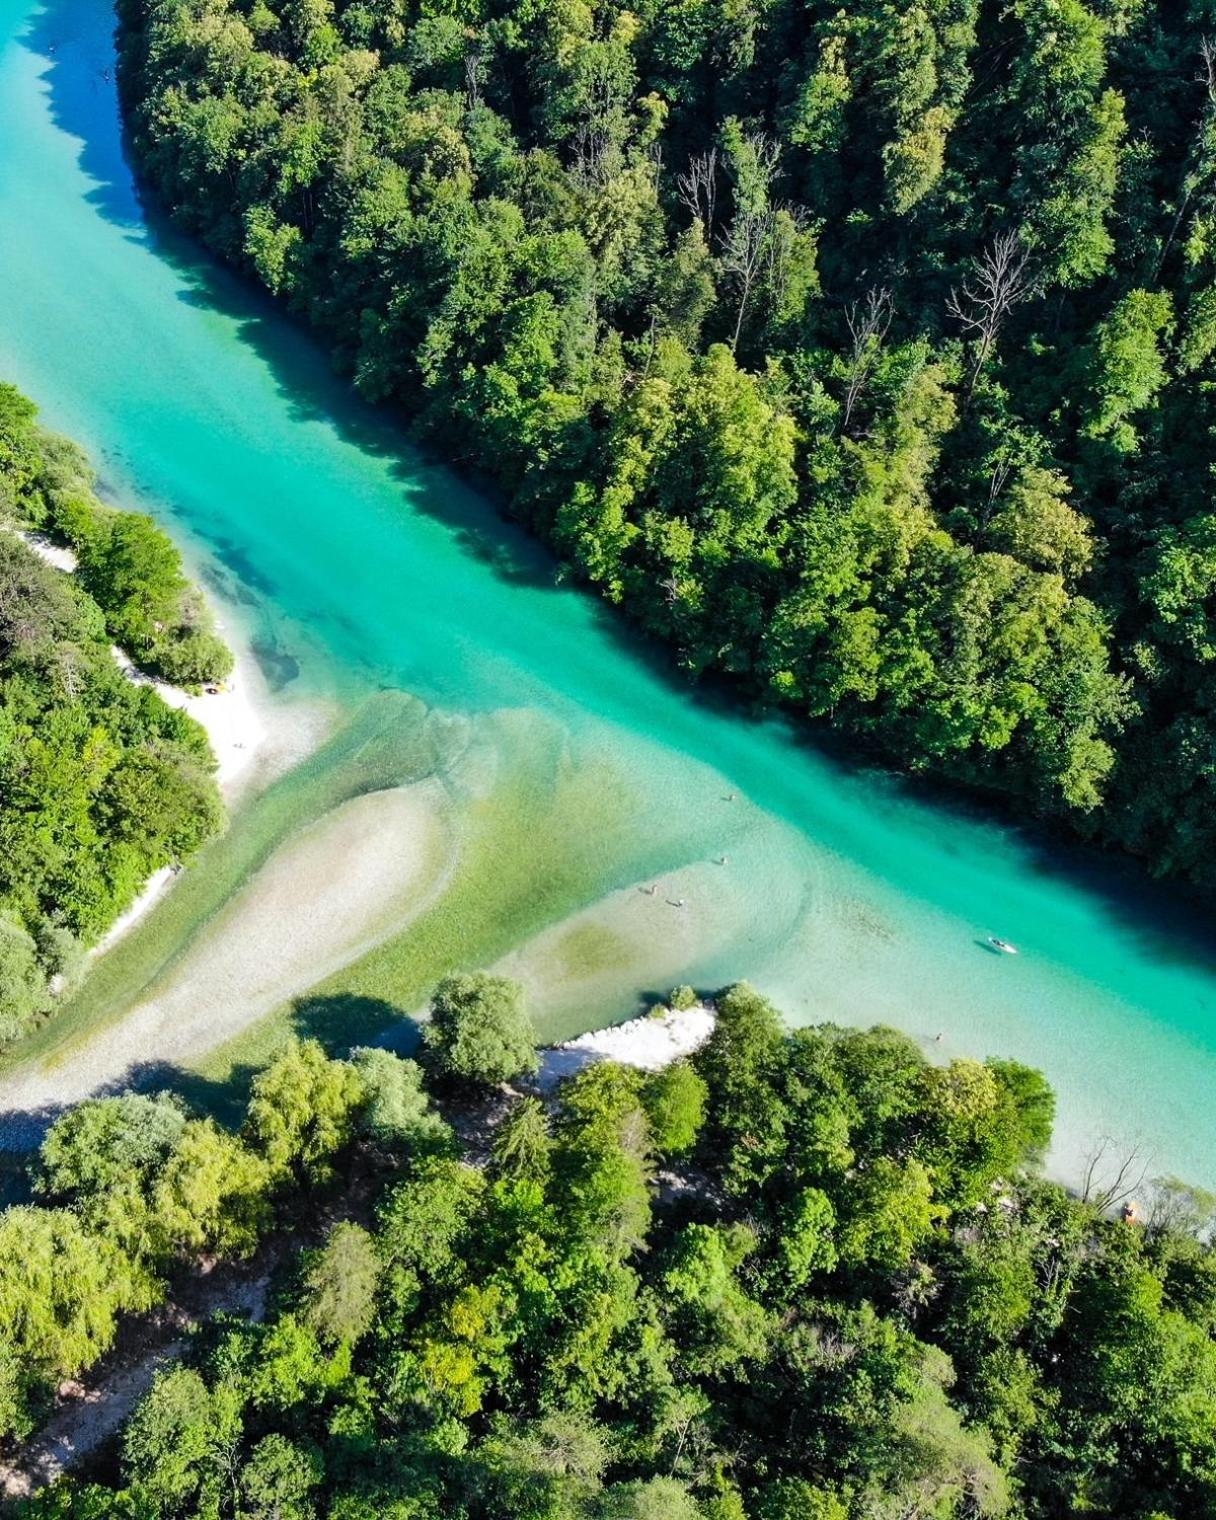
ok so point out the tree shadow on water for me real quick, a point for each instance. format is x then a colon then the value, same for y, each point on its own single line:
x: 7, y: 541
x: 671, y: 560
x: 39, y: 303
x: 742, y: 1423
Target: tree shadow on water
x: 22, y: 1130
x: 76, y: 40
x: 343, y: 1020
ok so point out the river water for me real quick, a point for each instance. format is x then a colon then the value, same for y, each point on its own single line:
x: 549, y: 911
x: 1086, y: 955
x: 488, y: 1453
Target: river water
x: 574, y: 772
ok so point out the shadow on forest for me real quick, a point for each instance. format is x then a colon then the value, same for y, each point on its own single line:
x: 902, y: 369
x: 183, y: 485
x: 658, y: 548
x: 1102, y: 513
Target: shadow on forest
x: 73, y: 36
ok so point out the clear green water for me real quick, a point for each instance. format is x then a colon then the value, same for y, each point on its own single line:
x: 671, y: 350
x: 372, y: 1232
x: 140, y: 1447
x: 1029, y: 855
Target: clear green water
x: 574, y: 769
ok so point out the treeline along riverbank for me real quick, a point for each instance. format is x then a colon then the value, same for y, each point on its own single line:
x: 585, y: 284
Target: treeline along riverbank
x: 102, y: 783
x: 862, y: 354
x: 804, y: 1276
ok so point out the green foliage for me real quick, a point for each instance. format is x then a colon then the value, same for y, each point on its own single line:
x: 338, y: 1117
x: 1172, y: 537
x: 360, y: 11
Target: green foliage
x: 23, y: 986
x: 479, y: 1031
x: 522, y: 1146
x: 340, y: 1286
x: 861, y: 353
x: 868, y: 1307
x: 654, y: 1499
x: 302, y: 1110
x: 130, y: 567
x: 110, y: 1146
x: 796, y: 1499
x: 176, y: 1444
x: 674, y: 1100
x: 61, y: 1290
x: 395, y: 1110
x: 716, y: 1324
x: 101, y: 783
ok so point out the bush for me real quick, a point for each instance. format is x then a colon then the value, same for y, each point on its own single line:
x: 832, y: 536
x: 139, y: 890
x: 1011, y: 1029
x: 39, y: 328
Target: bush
x: 190, y: 657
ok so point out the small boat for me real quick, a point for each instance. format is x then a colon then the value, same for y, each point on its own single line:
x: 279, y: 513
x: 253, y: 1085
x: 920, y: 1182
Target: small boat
x: 1002, y: 946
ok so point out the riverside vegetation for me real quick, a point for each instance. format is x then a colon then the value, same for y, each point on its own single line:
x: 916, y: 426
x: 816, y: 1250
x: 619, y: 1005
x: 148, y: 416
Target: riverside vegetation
x: 807, y: 1276
x: 861, y: 352
x: 101, y: 782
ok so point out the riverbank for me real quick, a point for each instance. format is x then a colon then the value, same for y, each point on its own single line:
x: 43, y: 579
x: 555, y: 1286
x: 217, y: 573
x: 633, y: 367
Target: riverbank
x: 234, y: 725
x: 247, y: 735
x: 650, y: 1043
x: 327, y: 894
x: 253, y: 737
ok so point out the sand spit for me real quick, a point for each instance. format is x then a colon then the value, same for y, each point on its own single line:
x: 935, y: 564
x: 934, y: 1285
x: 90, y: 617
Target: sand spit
x: 650, y: 1043
x: 326, y: 896
x: 235, y: 719
x: 645, y: 936
x: 233, y: 723
x: 251, y: 738
x: 246, y: 736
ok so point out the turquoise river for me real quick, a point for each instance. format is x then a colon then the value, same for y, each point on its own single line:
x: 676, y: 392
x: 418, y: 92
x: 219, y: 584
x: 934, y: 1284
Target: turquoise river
x: 566, y: 770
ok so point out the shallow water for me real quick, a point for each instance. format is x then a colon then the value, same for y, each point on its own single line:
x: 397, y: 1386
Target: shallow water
x: 574, y: 770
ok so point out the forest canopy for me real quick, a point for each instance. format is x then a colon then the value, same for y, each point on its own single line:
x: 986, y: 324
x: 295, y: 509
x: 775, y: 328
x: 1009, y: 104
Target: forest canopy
x: 863, y: 353
x: 101, y: 782
x: 809, y: 1276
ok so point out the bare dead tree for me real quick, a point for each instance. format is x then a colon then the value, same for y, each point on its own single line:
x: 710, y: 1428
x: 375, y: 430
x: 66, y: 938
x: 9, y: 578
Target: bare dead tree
x: 473, y: 66
x: 999, y: 281
x: 868, y: 322
x: 1193, y: 170
x: 654, y: 161
x: 601, y: 129
x: 1111, y: 1177
x: 748, y: 241
x: 996, y: 482
x: 698, y: 188
x: 744, y: 254
x: 71, y: 668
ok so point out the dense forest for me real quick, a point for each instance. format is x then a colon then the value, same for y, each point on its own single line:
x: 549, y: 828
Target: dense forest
x: 807, y: 1276
x: 862, y: 352
x: 101, y: 781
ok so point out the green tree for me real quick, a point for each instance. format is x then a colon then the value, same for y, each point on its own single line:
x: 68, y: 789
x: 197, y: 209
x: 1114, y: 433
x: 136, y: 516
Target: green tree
x: 717, y: 1323
x: 340, y: 1286
x: 180, y: 1444
x: 61, y: 1292
x: 395, y: 1109
x: 279, y: 1479
x: 675, y: 1103
x: 302, y: 1111
x: 479, y: 1032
